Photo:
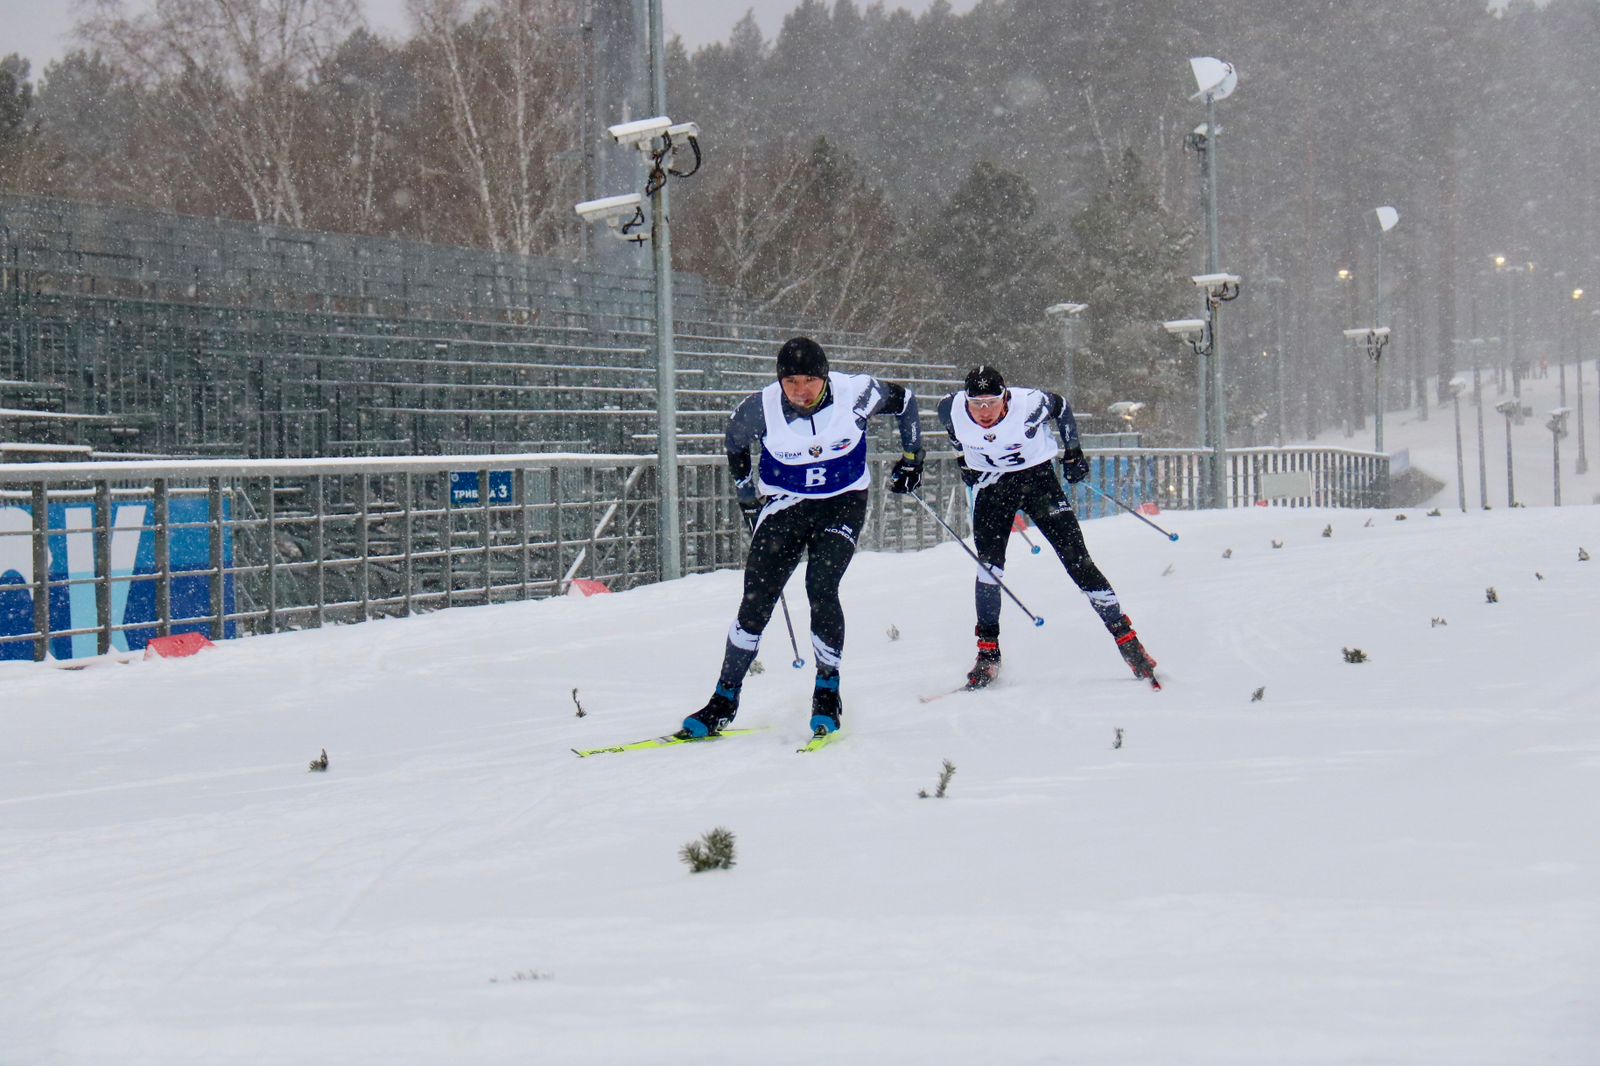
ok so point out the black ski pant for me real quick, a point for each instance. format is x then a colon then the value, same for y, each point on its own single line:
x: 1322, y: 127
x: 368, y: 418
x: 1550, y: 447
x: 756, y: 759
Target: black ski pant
x: 824, y: 531
x: 1036, y: 493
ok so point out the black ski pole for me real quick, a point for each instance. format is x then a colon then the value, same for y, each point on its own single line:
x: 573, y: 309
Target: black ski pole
x: 783, y: 599
x: 1038, y: 621
x: 1130, y: 510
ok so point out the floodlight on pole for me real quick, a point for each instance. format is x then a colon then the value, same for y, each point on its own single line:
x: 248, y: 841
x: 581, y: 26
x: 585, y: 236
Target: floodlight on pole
x: 1374, y: 339
x: 1214, y: 80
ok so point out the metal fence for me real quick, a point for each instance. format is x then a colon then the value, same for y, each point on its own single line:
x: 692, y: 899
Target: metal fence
x: 101, y: 557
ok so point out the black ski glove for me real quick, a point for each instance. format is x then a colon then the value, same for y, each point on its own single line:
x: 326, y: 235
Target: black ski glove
x: 969, y: 476
x: 906, y: 474
x: 1074, y: 465
x: 749, y: 501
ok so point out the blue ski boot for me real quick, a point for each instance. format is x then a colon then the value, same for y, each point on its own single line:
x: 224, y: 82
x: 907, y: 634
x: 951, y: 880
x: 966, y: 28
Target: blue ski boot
x: 714, y: 716
x: 825, y: 706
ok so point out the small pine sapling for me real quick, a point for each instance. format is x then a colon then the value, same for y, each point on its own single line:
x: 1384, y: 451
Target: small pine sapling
x: 894, y: 634
x: 581, y: 712
x: 1227, y: 553
x: 1327, y: 530
x: 1116, y: 739
x: 1437, y: 622
x: 1490, y: 595
x: 1583, y: 556
x: 1399, y: 518
x: 1367, y: 524
x: 713, y: 851
x: 1168, y: 571
x: 1258, y: 695
x: 1354, y: 655
x: 1277, y: 544
x: 945, y: 775
x: 1538, y: 575
x: 1435, y: 513
x: 320, y: 763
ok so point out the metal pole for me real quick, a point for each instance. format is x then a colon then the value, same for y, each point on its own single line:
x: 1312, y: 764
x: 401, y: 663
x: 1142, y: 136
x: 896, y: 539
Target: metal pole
x: 1511, y: 481
x: 1582, y: 466
x: 1066, y: 343
x: 669, y: 533
x: 1461, y: 471
x: 1219, y: 399
x: 1377, y: 356
x: 1555, y: 452
x: 1483, y: 458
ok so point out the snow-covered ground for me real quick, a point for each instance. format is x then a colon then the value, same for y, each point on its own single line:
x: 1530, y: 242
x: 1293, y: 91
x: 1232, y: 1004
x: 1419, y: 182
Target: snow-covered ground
x: 1385, y: 862
x: 1432, y: 443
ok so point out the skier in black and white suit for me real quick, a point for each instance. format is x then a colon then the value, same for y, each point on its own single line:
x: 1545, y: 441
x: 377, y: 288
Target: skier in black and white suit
x: 807, y: 498
x: 1006, y: 454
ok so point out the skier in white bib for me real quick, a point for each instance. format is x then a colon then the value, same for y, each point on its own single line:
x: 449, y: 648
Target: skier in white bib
x: 807, y: 498
x: 1006, y: 453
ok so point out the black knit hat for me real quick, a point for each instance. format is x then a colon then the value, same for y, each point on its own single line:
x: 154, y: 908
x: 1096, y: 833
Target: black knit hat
x: 985, y: 381
x: 802, y: 356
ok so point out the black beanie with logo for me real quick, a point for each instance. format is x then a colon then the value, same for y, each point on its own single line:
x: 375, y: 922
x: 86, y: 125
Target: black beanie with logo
x: 802, y: 356
x: 985, y: 381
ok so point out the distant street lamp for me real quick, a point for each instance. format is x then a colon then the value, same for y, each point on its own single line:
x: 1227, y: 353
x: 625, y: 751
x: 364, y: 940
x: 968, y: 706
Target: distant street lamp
x: 1558, y: 429
x: 1456, y: 387
x: 1388, y: 217
x: 1509, y: 408
x: 1066, y: 314
x: 1125, y: 410
x: 1374, y: 339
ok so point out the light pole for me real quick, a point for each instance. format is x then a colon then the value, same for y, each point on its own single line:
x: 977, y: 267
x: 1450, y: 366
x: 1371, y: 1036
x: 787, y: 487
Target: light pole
x: 1201, y: 336
x: 1348, y: 402
x: 1582, y: 465
x: 1477, y: 344
x: 1456, y: 387
x: 659, y: 139
x: 1558, y: 429
x: 1066, y: 315
x: 1509, y: 408
x: 1215, y: 80
x: 1388, y: 217
x: 1374, y: 339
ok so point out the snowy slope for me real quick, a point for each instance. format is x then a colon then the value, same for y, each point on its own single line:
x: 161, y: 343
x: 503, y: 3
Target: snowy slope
x: 1432, y: 443
x: 1391, y: 862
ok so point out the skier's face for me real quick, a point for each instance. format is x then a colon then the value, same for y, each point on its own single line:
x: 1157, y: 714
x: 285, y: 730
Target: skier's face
x: 986, y: 410
x: 802, y: 391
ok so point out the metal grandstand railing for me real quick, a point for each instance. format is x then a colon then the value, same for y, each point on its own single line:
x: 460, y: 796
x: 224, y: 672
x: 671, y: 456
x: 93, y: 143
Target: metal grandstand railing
x: 183, y: 336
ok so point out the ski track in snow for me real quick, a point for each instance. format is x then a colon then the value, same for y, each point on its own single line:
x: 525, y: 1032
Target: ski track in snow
x: 1389, y: 862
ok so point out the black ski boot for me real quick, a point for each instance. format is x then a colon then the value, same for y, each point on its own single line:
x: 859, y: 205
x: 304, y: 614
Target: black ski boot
x: 987, y: 668
x: 1133, y: 653
x: 826, y: 708
x: 714, y: 716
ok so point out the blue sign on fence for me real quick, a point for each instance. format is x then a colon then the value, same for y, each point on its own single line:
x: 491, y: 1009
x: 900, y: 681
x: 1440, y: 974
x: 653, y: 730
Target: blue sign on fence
x: 133, y: 554
x: 464, y: 487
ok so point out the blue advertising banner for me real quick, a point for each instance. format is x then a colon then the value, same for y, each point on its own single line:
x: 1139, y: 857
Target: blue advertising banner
x: 133, y: 554
x: 464, y: 487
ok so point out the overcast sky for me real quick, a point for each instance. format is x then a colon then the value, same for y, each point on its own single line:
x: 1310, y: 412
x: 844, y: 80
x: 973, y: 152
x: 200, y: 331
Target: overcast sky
x: 39, y: 29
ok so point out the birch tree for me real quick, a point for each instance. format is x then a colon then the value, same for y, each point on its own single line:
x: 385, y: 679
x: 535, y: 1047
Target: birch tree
x: 507, y: 80
x: 239, y: 72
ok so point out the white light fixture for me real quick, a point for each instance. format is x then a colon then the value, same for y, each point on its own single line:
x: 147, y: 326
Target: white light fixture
x: 1387, y: 217
x: 1213, y: 77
